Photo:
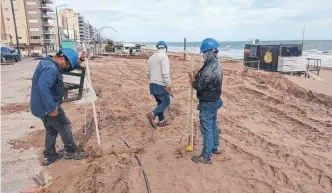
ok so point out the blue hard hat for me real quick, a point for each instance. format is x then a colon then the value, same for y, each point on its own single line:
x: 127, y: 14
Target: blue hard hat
x: 71, y: 56
x: 209, y: 44
x: 162, y: 43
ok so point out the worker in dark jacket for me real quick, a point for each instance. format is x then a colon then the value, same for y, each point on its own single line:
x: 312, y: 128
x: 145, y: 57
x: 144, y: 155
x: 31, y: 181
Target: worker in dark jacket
x: 46, y: 97
x: 208, y: 82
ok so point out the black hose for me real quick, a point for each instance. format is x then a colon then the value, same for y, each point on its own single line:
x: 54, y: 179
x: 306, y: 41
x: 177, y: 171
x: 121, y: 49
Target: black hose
x: 143, y: 172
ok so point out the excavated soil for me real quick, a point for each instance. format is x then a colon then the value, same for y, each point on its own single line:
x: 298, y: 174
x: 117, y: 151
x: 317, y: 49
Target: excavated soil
x: 276, y: 136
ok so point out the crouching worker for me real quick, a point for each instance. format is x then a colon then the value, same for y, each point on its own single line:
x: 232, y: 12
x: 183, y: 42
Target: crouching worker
x: 208, y: 82
x: 46, y: 97
x: 160, y: 83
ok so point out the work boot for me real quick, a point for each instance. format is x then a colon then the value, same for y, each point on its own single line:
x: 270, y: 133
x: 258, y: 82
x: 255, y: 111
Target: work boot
x: 78, y: 155
x: 151, y: 117
x: 162, y: 123
x: 201, y: 159
x: 50, y: 160
x: 216, y: 150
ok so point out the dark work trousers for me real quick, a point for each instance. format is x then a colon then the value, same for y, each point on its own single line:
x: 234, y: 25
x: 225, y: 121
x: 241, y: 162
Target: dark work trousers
x: 54, y: 125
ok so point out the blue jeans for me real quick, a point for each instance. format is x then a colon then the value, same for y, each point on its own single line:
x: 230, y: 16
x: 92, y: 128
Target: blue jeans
x: 163, y: 101
x: 208, y: 119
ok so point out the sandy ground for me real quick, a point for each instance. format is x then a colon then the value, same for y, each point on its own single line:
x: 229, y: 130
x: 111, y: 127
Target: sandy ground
x: 319, y: 86
x: 276, y: 136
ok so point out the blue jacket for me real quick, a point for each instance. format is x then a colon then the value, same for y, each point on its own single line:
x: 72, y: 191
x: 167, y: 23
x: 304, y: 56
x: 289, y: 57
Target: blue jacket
x: 47, y: 88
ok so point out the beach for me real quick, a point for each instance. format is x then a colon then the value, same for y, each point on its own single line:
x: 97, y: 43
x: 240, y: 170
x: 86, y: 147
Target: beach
x: 276, y: 135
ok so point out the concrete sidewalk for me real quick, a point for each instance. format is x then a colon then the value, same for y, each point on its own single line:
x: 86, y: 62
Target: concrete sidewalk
x: 17, y: 166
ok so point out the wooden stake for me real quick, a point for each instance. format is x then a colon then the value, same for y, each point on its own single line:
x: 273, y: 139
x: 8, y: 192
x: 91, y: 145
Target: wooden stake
x: 185, y: 49
x: 191, y: 123
x: 93, y: 103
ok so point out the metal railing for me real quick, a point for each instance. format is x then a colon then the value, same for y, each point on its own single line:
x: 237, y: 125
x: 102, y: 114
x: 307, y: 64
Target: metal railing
x: 47, y: 1
x: 45, y: 15
x: 43, y: 6
x: 245, y: 63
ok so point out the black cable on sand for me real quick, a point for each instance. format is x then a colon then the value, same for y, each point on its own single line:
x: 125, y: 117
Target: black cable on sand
x: 143, y: 172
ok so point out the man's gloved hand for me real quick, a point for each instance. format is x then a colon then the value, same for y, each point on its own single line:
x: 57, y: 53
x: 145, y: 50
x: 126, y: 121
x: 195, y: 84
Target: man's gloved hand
x: 192, y: 76
x: 54, y: 113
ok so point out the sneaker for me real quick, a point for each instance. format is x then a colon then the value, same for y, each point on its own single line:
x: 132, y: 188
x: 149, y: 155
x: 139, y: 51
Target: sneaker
x: 216, y: 150
x: 78, y: 155
x: 201, y: 159
x: 49, y: 160
x: 162, y: 123
x: 151, y: 119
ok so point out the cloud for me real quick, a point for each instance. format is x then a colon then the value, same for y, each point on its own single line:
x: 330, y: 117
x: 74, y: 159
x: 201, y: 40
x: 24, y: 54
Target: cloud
x: 151, y: 20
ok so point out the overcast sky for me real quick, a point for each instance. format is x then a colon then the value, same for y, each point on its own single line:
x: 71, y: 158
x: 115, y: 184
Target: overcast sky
x: 225, y: 20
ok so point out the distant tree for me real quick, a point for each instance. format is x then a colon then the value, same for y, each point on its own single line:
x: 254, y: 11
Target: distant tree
x: 109, y: 48
x: 110, y: 42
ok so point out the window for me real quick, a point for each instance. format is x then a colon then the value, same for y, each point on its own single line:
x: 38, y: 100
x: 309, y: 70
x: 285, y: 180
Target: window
x: 32, y: 12
x: 33, y: 20
x: 8, y: 19
x: 31, y: 3
x: 34, y: 29
x: 19, y: 38
x: 6, y: 9
x: 35, y: 37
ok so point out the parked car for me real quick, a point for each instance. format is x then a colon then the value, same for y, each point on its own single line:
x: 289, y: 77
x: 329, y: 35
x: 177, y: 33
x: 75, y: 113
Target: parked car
x: 9, y: 54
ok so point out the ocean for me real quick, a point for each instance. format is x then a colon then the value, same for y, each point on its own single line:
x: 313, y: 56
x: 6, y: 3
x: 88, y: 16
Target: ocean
x: 321, y: 49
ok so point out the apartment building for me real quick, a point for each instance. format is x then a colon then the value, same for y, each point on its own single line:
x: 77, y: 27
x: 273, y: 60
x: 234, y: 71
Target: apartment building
x: 4, y: 37
x: 31, y: 16
x: 87, y: 30
x: 69, y: 24
x: 81, y: 26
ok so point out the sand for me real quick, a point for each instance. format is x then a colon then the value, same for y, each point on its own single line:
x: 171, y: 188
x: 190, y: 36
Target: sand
x: 323, y: 86
x: 276, y: 136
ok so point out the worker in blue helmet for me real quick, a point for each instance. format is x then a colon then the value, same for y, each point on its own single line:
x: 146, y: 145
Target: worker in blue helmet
x: 158, y: 72
x: 208, y: 82
x: 46, y: 97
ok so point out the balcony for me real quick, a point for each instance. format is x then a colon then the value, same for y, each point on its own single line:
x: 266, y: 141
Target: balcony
x: 47, y: 8
x: 47, y: 1
x: 48, y: 32
x: 46, y: 24
x: 47, y: 16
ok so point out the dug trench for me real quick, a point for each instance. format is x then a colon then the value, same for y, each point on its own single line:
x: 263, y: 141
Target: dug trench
x: 276, y: 136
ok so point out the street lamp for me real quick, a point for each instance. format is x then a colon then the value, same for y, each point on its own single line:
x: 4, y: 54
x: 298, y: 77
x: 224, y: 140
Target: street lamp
x: 57, y: 22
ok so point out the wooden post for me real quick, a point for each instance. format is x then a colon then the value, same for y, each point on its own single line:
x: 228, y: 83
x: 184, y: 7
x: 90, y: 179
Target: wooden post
x: 93, y: 102
x: 185, y: 48
x: 190, y: 146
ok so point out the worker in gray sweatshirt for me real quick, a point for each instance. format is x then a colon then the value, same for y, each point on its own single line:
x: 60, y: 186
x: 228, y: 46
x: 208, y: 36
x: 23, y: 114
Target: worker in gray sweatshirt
x: 158, y: 72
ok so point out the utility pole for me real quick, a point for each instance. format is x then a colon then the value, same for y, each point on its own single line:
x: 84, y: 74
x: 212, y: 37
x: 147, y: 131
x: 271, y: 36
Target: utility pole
x: 14, y: 18
x: 303, y: 38
x: 43, y: 25
x: 67, y: 27
x: 57, y: 26
x: 184, y: 48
